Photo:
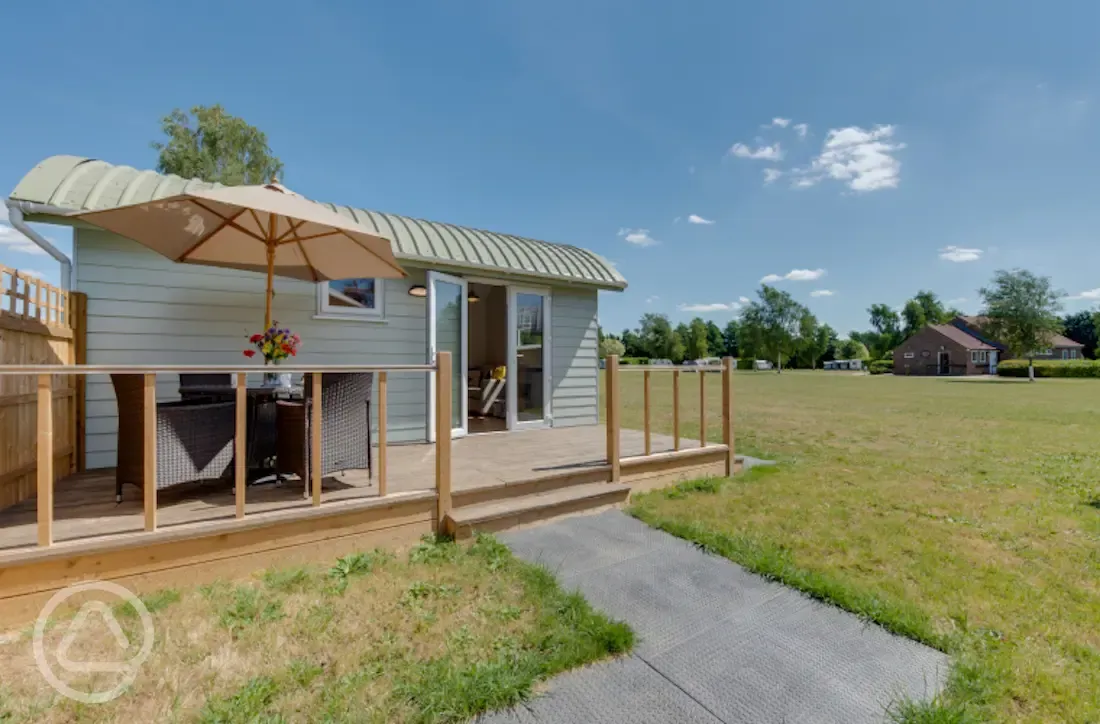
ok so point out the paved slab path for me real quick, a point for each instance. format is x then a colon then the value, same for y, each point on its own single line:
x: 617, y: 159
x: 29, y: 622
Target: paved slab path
x: 715, y: 643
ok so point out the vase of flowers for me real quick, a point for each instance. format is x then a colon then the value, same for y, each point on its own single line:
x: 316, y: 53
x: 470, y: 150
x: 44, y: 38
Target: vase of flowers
x: 275, y: 345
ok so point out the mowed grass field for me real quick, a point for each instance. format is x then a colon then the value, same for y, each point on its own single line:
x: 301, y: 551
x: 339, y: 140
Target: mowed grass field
x: 962, y: 513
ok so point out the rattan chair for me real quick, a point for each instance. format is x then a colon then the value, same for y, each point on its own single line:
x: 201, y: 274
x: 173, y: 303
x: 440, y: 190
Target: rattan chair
x: 345, y: 427
x: 206, y: 387
x: 194, y: 440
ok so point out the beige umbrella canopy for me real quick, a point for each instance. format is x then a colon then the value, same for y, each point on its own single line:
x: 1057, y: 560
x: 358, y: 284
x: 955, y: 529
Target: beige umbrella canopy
x: 255, y: 228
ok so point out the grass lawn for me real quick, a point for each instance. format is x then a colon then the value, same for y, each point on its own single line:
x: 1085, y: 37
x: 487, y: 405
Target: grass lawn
x: 962, y: 513
x: 439, y: 634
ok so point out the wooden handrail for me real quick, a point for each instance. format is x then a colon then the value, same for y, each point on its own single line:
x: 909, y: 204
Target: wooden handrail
x: 214, y: 369
x: 45, y: 395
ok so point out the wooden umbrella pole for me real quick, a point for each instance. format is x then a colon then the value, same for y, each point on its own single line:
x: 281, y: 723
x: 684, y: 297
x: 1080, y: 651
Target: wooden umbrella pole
x: 270, y: 270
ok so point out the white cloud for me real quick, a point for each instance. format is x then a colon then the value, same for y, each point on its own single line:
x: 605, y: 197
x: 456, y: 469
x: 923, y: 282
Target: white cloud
x: 3, y: 214
x: 762, y: 153
x: 638, y: 237
x: 860, y: 158
x: 822, y: 293
x: 651, y: 300
x: 694, y: 219
x: 802, y: 129
x: 957, y: 301
x: 744, y: 300
x: 716, y: 307
x: 32, y: 273
x: 795, y: 275
x: 14, y: 241
x: 779, y: 123
x: 771, y: 174
x: 1090, y: 294
x: 676, y: 220
x: 960, y: 254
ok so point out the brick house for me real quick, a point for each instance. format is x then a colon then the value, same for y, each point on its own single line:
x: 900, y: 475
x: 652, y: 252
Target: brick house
x: 960, y: 348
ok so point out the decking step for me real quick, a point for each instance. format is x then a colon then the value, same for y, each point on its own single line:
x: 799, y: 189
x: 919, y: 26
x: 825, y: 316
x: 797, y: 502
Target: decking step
x: 511, y: 512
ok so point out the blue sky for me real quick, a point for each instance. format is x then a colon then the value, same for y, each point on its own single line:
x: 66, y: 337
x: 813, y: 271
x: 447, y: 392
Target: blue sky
x: 941, y: 140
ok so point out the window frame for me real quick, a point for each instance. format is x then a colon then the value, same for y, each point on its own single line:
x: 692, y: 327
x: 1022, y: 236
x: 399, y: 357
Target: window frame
x: 326, y: 311
x: 910, y: 355
x: 973, y: 356
x: 982, y: 356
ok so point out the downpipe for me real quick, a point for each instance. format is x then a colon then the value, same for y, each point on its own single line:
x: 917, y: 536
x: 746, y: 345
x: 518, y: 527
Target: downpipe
x: 16, y: 211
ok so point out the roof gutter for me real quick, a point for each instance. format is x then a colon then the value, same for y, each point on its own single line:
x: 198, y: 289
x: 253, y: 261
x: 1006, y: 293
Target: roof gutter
x: 16, y: 211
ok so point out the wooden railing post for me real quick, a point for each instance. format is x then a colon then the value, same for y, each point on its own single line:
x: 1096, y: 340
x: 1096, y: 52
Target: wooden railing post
x: 45, y: 460
x: 611, y: 394
x: 727, y: 412
x: 645, y: 402
x: 76, y: 316
x: 149, y: 441
x: 676, y: 409
x: 443, y: 439
x: 315, y: 453
x: 702, y: 407
x: 240, y: 440
x: 382, y: 389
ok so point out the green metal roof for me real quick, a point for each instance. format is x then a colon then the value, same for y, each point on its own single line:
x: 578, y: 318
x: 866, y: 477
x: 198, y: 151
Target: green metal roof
x: 86, y: 184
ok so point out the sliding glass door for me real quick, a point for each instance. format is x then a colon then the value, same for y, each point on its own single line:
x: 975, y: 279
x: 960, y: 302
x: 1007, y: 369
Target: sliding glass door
x: 529, y: 359
x: 447, y: 333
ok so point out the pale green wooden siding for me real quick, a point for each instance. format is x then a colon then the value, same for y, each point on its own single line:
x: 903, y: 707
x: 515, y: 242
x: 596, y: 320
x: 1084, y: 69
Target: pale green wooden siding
x: 143, y: 309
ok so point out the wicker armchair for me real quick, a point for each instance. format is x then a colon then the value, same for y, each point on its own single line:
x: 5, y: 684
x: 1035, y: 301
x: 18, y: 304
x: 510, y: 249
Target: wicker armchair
x: 194, y: 441
x: 345, y: 427
x: 206, y: 387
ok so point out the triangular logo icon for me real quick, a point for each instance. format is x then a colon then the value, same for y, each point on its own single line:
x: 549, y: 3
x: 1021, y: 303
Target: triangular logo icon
x: 78, y: 623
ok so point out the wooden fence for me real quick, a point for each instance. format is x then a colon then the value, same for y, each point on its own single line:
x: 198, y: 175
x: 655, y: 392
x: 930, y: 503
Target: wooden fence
x: 614, y: 409
x: 40, y: 324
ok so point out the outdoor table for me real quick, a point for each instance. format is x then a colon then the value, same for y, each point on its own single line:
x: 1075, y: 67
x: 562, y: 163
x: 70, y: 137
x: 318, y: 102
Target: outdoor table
x: 261, y: 444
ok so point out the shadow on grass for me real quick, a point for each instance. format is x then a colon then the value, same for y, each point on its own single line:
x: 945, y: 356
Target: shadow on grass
x: 1094, y: 503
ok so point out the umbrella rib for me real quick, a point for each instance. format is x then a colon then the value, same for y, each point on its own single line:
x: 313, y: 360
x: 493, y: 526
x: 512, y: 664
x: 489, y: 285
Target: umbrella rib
x: 331, y: 232
x: 368, y: 249
x: 229, y: 221
x: 293, y: 228
x: 225, y: 222
x: 309, y: 264
x: 257, y: 220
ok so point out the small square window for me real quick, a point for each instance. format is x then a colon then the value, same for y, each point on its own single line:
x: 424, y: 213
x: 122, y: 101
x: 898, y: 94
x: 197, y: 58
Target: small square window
x: 909, y: 355
x: 974, y: 356
x: 981, y: 356
x: 350, y: 298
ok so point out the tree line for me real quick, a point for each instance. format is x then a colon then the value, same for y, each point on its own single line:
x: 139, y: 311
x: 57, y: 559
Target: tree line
x: 1020, y: 309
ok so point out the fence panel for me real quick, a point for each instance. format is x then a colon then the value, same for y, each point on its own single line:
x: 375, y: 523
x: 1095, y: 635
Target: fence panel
x: 36, y: 327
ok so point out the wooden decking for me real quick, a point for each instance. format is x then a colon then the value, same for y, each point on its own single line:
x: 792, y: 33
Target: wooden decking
x: 85, y: 507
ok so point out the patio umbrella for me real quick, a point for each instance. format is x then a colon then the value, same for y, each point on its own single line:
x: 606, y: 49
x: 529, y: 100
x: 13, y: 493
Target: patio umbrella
x: 256, y: 228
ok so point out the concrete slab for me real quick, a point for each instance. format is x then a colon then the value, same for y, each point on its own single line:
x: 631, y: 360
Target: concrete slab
x: 716, y: 643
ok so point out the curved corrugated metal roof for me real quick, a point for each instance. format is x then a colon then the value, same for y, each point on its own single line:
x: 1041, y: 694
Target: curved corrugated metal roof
x: 86, y: 184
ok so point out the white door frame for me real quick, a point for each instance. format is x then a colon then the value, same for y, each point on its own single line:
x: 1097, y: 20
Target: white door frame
x: 514, y: 422
x: 459, y: 365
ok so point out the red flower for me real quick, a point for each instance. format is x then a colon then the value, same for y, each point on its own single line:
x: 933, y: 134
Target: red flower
x: 250, y: 353
x: 255, y: 338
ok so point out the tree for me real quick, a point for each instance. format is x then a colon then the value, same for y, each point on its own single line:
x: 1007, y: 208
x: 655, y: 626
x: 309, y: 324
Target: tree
x: 772, y: 324
x: 716, y: 343
x: 824, y: 340
x: 696, y: 341
x: 914, y: 316
x: 853, y: 349
x: 812, y: 340
x: 678, y: 351
x: 1022, y: 311
x: 611, y: 345
x: 1081, y: 327
x: 887, y: 330
x: 215, y: 146
x: 633, y: 344
x: 656, y: 335
x: 730, y: 339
